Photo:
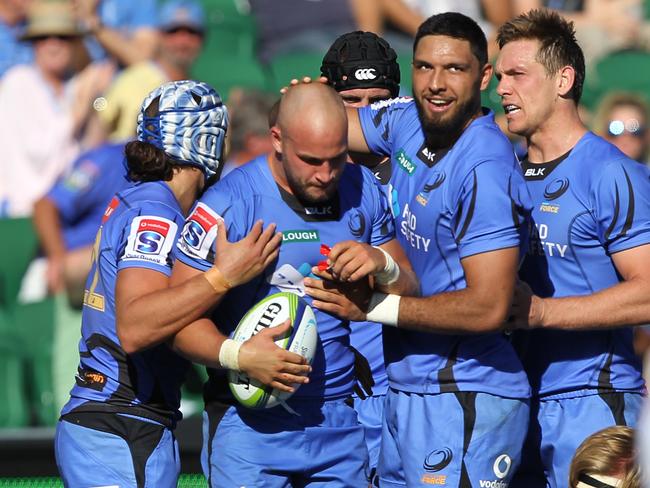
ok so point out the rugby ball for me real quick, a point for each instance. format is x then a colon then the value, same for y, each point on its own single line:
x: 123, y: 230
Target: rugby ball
x: 302, y: 338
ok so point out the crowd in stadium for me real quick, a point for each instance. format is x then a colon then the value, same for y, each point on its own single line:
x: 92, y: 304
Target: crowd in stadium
x: 459, y: 189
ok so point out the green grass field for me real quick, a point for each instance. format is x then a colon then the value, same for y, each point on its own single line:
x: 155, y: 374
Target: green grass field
x: 185, y: 481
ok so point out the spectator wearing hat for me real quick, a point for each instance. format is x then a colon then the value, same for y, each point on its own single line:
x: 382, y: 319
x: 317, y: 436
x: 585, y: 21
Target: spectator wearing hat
x: 181, y: 40
x: 123, y: 30
x: 12, y: 21
x: 44, y: 106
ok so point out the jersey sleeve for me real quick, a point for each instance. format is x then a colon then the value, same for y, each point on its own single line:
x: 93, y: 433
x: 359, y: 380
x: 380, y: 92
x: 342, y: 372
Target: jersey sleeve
x: 196, y: 244
x: 491, y: 209
x: 378, y: 123
x: 622, y: 206
x: 71, y: 192
x: 148, y: 238
x: 383, y: 225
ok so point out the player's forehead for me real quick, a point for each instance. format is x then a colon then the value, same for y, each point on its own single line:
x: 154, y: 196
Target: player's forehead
x: 439, y: 49
x: 522, y: 53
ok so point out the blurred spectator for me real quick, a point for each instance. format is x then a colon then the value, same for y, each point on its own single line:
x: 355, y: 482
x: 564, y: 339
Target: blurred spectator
x: 43, y: 108
x: 181, y: 39
x: 68, y: 216
x: 249, y: 129
x: 488, y: 14
x: 622, y: 119
x: 602, y: 26
x: 605, y: 459
x: 13, y: 50
x: 309, y: 25
x: 123, y: 30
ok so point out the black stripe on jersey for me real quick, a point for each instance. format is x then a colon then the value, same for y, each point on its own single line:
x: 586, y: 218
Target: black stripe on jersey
x: 446, y: 378
x: 605, y: 373
x: 140, y: 436
x: 629, y: 218
x: 617, y: 204
x: 467, y: 401
x: 470, y: 210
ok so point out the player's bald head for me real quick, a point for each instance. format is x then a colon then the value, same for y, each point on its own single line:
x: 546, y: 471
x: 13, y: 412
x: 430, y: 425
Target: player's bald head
x: 312, y: 110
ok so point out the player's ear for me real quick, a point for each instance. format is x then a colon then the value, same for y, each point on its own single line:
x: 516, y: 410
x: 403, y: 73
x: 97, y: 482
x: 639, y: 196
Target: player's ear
x: 566, y: 79
x: 276, y: 139
x: 486, y: 75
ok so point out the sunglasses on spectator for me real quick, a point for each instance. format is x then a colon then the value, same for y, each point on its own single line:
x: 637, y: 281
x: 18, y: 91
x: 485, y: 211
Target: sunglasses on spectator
x: 60, y: 37
x: 184, y: 29
x: 632, y: 127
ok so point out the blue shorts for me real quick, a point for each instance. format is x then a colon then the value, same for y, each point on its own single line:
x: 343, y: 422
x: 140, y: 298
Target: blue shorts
x: 559, y: 425
x: 371, y: 415
x: 105, y: 449
x: 323, y: 446
x: 451, y: 439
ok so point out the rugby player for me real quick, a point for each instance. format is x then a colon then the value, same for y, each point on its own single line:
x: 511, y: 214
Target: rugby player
x: 457, y: 407
x: 588, y: 263
x: 363, y: 69
x: 117, y: 428
x: 318, y: 199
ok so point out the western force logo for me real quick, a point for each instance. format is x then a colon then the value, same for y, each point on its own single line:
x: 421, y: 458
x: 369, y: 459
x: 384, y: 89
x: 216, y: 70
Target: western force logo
x: 556, y: 188
x: 438, y: 460
x: 357, y: 224
x: 150, y: 239
x: 405, y: 163
x: 151, y: 234
x: 438, y: 179
x: 200, y: 231
x: 364, y: 74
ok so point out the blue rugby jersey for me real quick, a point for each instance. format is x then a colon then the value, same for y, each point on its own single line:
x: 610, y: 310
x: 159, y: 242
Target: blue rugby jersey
x: 448, y: 205
x: 139, y: 229
x: 82, y: 195
x: 589, y: 204
x: 358, y: 212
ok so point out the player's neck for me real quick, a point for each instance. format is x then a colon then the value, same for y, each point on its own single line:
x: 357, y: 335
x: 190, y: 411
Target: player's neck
x: 555, y: 137
x: 277, y: 171
x: 186, y: 186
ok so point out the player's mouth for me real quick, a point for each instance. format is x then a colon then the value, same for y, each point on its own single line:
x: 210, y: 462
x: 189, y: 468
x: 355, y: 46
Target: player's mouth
x: 439, y: 104
x: 511, y: 108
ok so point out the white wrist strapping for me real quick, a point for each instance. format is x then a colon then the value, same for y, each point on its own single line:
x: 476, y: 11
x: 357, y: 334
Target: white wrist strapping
x: 229, y: 354
x: 384, y: 309
x: 390, y: 273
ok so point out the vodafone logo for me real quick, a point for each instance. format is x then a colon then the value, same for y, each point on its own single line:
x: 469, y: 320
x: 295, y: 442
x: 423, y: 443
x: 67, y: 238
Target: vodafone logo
x: 502, y: 466
x: 363, y: 74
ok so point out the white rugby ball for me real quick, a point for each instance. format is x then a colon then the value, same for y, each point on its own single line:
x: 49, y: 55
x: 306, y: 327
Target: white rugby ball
x: 302, y: 338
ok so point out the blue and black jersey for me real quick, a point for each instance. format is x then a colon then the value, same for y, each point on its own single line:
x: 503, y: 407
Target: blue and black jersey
x: 589, y: 204
x: 359, y: 211
x: 139, y: 229
x: 450, y: 204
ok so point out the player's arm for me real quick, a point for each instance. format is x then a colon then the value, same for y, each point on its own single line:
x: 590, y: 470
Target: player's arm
x: 203, y: 343
x: 148, y: 311
x: 356, y: 139
x: 47, y: 223
x: 623, y: 304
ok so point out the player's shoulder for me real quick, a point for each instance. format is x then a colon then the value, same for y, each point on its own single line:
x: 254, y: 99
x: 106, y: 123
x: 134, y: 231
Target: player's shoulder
x: 603, y: 159
x: 151, y: 198
x: 245, y: 183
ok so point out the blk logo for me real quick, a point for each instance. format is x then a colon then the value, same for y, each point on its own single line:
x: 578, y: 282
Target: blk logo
x: 363, y: 74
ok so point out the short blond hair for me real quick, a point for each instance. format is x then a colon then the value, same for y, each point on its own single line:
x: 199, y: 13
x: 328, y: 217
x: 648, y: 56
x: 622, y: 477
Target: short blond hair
x: 608, y: 452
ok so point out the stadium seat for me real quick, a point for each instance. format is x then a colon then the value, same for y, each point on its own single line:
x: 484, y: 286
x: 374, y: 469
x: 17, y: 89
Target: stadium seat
x: 228, y: 57
x: 20, y: 245
x: 294, y: 65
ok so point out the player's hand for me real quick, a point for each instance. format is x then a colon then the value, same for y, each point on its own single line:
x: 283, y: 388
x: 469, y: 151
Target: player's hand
x: 527, y: 309
x: 54, y: 275
x: 365, y: 381
x: 303, y: 80
x: 351, y: 260
x: 241, y: 261
x: 348, y: 301
x: 262, y: 359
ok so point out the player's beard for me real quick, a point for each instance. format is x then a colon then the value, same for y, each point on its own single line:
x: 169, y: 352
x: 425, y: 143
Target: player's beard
x: 443, y: 131
x: 302, y: 193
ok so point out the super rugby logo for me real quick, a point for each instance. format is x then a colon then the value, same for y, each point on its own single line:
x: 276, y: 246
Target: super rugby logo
x: 150, y: 239
x: 200, y: 231
x: 150, y: 236
x: 363, y: 74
